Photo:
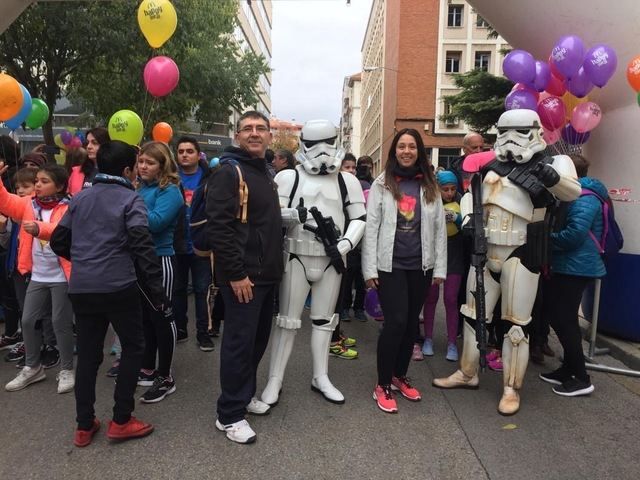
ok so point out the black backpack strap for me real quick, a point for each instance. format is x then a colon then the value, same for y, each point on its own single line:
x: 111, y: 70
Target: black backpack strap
x: 294, y: 188
x: 345, y: 200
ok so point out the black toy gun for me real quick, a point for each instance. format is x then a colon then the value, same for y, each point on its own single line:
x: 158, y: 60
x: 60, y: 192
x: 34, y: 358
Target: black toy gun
x: 475, y: 227
x: 327, y: 233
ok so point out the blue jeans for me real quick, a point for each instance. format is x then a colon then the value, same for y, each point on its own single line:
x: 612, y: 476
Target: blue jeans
x: 201, y: 279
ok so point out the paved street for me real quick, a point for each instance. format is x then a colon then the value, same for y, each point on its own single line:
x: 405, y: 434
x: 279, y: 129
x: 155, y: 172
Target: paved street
x: 449, y: 435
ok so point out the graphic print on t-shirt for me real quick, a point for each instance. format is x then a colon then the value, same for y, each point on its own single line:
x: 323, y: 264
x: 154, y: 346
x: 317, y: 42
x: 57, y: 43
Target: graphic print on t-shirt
x: 407, y: 207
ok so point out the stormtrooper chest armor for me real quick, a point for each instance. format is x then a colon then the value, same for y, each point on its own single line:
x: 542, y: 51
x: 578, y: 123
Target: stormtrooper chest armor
x: 322, y: 192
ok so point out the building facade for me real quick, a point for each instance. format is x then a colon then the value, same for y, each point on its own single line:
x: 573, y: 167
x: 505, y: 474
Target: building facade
x: 350, y: 120
x: 253, y: 33
x: 410, y: 52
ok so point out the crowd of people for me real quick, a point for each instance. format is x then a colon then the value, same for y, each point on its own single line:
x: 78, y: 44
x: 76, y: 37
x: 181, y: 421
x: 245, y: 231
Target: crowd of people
x: 60, y: 296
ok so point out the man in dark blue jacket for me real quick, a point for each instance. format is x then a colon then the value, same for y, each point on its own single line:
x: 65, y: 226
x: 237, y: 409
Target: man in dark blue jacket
x: 193, y: 174
x: 249, y: 265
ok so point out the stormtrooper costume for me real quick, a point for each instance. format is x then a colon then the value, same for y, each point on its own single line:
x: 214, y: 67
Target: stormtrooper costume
x: 517, y: 187
x: 314, y: 183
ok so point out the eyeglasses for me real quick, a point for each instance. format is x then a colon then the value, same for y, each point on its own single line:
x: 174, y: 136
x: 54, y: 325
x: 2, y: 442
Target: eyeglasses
x: 250, y: 129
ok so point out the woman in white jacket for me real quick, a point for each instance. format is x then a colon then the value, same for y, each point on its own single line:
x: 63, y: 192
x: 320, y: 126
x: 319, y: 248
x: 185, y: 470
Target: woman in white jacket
x: 405, y: 247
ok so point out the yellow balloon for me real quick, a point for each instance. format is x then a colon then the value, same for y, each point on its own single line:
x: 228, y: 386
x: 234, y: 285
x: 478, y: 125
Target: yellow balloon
x: 61, y: 157
x: 570, y: 102
x: 58, y: 141
x: 158, y: 21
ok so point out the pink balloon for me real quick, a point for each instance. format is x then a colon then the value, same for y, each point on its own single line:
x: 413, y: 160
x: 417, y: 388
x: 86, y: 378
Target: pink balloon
x: 552, y: 113
x: 556, y: 86
x: 161, y: 76
x: 75, y: 143
x: 543, y: 95
x: 585, y: 117
x: 551, y: 136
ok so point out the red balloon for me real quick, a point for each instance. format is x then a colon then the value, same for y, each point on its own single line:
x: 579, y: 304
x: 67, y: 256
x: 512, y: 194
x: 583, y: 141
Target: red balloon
x: 162, y: 132
x: 161, y: 76
x: 554, y: 70
x: 556, y: 86
x: 552, y: 113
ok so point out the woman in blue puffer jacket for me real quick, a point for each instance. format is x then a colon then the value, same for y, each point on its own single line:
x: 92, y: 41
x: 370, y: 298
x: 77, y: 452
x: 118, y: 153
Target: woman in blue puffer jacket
x: 576, y: 261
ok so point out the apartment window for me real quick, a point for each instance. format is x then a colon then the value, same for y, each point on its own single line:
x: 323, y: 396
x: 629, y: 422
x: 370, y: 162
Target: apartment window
x: 481, y: 22
x: 482, y: 61
x: 455, y: 15
x: 452, y: 62
x: 446, y: 156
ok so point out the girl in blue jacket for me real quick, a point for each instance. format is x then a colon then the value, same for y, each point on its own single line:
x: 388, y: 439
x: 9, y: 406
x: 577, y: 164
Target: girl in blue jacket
x: 159, y: 189
x: 576, y: 261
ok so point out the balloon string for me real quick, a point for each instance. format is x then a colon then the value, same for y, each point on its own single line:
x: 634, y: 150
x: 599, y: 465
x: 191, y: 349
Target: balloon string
x: 151, y: 107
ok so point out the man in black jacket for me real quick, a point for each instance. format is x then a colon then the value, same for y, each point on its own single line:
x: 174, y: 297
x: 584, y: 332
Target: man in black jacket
x: 248, y: 267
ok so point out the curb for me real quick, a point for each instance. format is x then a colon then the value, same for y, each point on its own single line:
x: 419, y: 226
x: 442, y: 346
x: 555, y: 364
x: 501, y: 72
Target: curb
x: 622, y: 350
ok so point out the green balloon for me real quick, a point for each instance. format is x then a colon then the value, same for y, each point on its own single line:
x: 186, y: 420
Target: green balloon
x: 126, y: 126
x: 638, y: 98
x: 39, y: 114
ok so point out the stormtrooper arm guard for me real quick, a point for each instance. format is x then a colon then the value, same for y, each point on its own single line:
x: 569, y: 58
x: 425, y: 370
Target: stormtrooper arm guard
x: 357, y: 215
x: 568, y: 188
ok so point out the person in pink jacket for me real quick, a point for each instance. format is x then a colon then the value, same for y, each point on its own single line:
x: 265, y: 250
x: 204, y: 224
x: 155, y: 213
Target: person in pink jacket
x: 47, y: 290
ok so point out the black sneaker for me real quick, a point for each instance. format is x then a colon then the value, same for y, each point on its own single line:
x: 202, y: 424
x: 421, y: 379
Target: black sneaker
x: 574, y: 387
x: 162, y: 386
x: 114, y: 370
x: 204, y: 342
x: 182, y: 336
x: 49, y: 357
x: 16, y: 353
x: 557, y: 377
x: 146, y: 379
x: 214, y: 332
x: 7, y: 342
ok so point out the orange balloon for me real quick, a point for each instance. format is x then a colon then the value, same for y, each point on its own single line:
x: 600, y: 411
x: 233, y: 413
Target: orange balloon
x: 11, y: 97
x: 633, y: 73
x: 570, y: 102
x: 162, y: 132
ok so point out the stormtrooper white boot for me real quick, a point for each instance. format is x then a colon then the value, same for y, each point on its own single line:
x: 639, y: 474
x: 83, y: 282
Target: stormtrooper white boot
x: 282, y: 343
x: 320, y: 339
x: 467, y: 375
x: 515, y: 357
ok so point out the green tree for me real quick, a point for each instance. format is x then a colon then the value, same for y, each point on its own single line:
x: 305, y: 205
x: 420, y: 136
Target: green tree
x: 480, y: 101
x: 94, y: 53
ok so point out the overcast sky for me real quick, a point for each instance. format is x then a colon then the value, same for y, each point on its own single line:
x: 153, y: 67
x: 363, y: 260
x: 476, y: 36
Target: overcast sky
x: 316, y: 43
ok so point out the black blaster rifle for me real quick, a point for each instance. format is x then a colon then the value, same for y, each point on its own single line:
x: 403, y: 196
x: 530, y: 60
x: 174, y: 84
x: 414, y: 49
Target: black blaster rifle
x: 475, y: 228
x: 327, y: 233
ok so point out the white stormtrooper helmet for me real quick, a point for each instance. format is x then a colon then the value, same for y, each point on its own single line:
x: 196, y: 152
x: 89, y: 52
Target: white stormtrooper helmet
x: 519, y: 136
x: 319, y: 153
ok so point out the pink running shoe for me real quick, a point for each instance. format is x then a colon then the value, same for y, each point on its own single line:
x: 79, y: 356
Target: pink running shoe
x: 385, y: 398
x: 417, y: 354
x: 495, y: 364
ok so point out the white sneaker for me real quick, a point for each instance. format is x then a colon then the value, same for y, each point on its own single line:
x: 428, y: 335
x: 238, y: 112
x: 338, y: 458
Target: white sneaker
x: 26, y: 377
x: 239, y: 432
x: 256, y: 407
x: 66, y: 381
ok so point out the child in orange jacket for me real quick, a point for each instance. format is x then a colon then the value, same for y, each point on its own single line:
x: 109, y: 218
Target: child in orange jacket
x: 47, y: 289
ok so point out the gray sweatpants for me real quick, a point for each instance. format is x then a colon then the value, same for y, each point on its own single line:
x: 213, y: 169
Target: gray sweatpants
x: 42, y: 299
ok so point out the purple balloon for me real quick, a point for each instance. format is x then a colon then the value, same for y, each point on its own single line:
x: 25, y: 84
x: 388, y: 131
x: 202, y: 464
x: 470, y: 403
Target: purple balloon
x: 567, y: 55
x: 543, y: 75
x: 600, y: 63
x: 579, y: 85
x: 519, y: 67
x: 66, y: 137
x: 521, y: 99
x: 572, y: 137
x: 372, y: 304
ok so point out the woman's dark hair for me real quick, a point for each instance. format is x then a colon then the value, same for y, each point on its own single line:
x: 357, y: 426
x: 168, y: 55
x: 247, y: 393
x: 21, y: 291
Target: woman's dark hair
x: 428, y: 180
x: 291, y: 161
x: 581, y: 164
x: 58, y: 175
x: 74, y: 157
x: 101, y: 135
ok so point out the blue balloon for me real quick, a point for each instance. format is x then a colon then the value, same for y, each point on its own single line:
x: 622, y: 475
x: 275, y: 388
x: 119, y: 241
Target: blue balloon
x: 14, y: 122
x: 215, y: 161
